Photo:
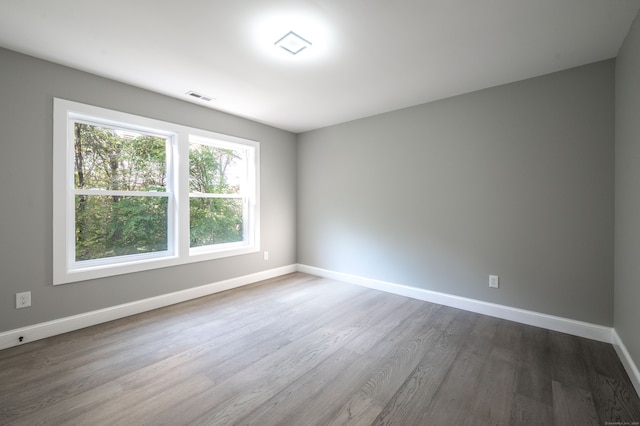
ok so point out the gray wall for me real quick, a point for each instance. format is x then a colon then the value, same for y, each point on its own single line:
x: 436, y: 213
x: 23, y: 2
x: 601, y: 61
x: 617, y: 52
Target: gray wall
x: 27, y: 89
x: 627, y: 232
x: 516, y: 180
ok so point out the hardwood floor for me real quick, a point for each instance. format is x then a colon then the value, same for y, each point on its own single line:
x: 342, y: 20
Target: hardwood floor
x: 302, y: 350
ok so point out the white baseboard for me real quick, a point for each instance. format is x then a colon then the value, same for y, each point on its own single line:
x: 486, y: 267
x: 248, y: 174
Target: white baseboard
x: 550, y: 322
x: 76, y: 322
x: 627, y: 361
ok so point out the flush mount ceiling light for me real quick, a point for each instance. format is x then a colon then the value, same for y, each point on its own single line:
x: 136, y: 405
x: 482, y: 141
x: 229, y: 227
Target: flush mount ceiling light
x: 292, y: 43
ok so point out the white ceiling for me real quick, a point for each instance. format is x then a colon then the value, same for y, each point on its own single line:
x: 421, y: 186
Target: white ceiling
x: 368, y: 56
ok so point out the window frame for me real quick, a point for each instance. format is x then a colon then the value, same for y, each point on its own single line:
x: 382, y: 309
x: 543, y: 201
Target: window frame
x: 66, y: 269
x: 247, y: 189
x: 72, y: 191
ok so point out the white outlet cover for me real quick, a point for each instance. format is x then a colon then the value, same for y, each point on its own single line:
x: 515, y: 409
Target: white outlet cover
x: 23, y: 300
x: 494, y: 281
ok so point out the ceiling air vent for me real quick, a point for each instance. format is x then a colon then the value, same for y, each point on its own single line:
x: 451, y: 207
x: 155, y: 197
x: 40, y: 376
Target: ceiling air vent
x: 199, y: 96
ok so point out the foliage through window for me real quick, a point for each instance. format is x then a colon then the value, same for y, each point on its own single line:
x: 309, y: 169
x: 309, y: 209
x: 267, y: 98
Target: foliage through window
x: 120, y: 192
x: 132, y: 193
x: 216, y: 199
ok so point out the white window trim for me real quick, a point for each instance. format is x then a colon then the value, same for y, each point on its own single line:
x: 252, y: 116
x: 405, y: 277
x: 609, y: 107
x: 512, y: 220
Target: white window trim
x: 66, y: 270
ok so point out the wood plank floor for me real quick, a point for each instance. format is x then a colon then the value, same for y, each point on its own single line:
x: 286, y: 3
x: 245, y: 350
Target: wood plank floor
x: 302, y: 350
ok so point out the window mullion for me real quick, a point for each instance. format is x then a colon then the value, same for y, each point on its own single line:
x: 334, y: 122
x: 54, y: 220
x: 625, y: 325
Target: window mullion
x: 212, y: 195
x: 182, y: 195
x: 109, y: 192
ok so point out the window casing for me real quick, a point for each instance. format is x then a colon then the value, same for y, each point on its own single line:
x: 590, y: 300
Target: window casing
x: 132, y: 193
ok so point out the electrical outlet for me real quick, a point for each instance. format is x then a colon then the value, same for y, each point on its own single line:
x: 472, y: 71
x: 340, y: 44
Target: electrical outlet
x: 265, y: 255
x: 23, y: 300
x: 494, y: 281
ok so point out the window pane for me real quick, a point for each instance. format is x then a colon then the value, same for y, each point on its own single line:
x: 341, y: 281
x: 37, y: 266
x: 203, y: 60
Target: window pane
x: 215, y: 170
x: 118, y: 160
x: 108, y: 226
x: 215, y: 221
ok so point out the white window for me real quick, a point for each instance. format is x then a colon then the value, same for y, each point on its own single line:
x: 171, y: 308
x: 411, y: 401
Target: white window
x: 220, y: 187
x: 132, y: 193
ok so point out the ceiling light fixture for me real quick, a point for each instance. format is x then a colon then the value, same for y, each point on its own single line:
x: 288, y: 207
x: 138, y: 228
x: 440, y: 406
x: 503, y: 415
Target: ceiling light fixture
x: 292, y: 43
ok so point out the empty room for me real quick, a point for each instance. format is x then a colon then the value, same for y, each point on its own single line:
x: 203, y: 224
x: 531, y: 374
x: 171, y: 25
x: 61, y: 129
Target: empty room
x: 320, y: 212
